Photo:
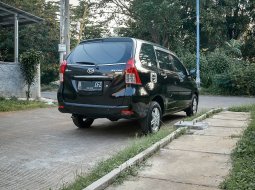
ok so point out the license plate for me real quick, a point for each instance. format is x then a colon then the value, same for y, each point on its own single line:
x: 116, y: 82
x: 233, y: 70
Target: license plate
x: 90, y: 86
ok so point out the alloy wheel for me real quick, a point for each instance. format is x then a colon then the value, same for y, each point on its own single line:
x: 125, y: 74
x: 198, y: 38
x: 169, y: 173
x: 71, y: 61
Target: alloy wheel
x: 194, y: 106
x: 155, y: 121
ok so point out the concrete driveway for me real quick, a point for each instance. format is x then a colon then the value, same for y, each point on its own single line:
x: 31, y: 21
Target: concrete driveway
x: 42, y: 149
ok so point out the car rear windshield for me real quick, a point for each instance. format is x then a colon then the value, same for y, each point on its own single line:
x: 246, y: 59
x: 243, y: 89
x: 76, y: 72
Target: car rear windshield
x: 101, y: 52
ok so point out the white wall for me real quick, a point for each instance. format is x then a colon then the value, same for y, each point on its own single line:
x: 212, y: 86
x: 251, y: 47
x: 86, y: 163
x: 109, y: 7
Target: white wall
x: 12, y: 82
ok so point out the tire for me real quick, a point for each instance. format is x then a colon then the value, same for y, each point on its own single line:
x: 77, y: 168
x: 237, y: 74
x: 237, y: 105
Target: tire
x: 192, y: 109
x: 151, y: 123
x: 82, y: 122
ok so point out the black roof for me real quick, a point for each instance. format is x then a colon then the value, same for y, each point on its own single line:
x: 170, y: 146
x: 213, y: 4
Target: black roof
x: 122, y: 39
x: 7, y: 13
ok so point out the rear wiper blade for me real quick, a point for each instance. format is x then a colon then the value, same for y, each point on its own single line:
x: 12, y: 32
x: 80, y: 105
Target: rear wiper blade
x: 85, y: 63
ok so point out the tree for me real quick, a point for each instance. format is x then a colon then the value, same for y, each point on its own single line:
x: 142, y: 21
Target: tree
x: 248, y: 47
x: 29, y: 65
x: 172, y: 23
x: 86, y: 22
x: 155, y: 20
x: 43, y: 36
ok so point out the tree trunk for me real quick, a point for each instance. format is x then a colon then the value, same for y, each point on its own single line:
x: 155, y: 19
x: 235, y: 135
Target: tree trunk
x: 28, y: 92
x: 85, y: 14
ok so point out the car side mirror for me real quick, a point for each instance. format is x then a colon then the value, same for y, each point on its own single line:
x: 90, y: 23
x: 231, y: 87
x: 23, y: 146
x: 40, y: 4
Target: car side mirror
x: 193, y: 73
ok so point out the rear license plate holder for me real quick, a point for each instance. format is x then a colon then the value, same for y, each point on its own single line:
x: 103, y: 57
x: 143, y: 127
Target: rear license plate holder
x: 90, y: 86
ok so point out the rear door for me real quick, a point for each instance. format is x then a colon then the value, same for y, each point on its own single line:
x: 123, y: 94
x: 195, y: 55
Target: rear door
x: 95, y: 72
x: 184, y: 85
x: 148, y: 71
x: 168, y: 78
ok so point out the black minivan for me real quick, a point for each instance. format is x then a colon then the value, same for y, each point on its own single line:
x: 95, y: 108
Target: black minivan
x: 129, y: 78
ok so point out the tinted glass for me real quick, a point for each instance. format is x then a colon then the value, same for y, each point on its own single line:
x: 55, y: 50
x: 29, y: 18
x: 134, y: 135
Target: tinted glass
x: 147, y: 55
x: 165, y: 60
x: 180, y: 68
x: 101, y: 52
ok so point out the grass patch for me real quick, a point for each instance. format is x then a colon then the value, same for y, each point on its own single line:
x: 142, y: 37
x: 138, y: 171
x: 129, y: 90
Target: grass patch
x: 204, y: 111
x: 130, y: 172
x: 243, y: 108
x: 213, y: 112
x: 242, y: 174
x: 235, y: 136
x: 102, y: 168
x: 197, y: 115
x: 14, y: 104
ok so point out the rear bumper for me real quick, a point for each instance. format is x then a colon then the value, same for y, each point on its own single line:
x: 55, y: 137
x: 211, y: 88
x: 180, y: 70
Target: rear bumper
x: 95, y: 111
x: 136, y: 104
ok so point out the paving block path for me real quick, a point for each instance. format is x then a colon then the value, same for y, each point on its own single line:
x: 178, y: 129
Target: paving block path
x: 199, y: 160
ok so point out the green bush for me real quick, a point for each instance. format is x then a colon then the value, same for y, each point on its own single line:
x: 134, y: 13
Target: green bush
x: 232, y: 48
x: 237, y: 80
x: 223, y: 71
x: 218, y: 62
x: 222, y: 83
x: 243, y: 79
x: 49, y: 73
x: 189, y: 60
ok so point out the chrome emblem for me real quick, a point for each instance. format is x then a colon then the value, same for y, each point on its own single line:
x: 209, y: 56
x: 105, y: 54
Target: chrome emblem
x: 90, y: 70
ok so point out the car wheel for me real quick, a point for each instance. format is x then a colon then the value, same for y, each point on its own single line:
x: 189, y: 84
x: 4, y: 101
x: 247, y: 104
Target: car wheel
x: 192, y: 109
x: 82, y: 122
x: 151, y: 123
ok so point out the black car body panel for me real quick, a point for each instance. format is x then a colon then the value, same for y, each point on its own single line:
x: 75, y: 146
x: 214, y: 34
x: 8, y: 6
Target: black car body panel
x: 94, y: 83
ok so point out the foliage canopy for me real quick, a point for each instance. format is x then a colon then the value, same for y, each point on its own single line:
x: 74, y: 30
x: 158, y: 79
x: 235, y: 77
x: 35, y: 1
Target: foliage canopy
x: 227, y: 31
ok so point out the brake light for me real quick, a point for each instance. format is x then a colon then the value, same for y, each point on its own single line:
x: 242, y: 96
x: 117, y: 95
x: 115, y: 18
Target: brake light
x: 62, y: 70
x: 131, y: 73
x: 127, y: 112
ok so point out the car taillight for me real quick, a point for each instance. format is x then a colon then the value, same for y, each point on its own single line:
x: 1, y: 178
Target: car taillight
x: 131, y: 73
x: 127, y: 112
x: 62, y: 70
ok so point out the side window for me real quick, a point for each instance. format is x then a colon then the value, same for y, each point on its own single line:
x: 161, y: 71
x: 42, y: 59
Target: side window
x: 165, y: 60
x: 180, y: 68
x: 147, y: 55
